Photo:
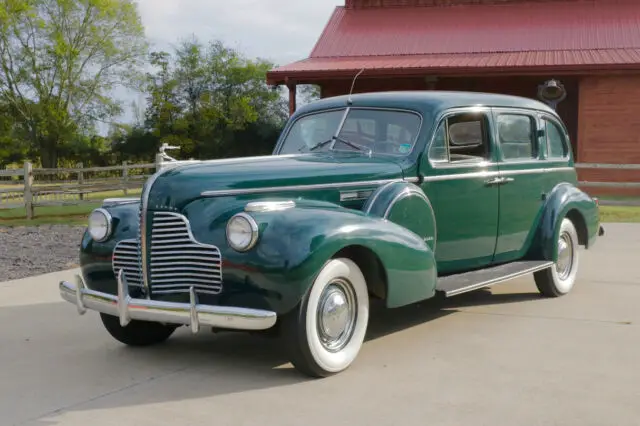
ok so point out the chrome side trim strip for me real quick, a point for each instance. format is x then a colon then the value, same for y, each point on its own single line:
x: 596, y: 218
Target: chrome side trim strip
x: 494, y: 173
x: 191, y: 314
x: 227, y: 192
x: 269, y: 206
x: 485, y: 174
x: 498, y: 280
x: 111, y: 202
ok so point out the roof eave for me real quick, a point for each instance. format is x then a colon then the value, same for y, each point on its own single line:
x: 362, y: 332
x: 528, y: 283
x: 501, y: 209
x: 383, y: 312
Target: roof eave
x: 276, y: 77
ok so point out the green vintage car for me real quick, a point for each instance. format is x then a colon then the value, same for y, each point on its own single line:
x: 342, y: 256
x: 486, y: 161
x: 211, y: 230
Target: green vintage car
x: 397, y: 196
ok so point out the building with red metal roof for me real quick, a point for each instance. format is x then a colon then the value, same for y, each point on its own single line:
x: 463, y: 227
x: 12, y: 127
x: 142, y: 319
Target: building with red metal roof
x: 503, y: 46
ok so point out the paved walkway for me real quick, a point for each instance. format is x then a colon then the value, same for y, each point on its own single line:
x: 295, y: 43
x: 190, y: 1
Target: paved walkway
x: 499, y: 357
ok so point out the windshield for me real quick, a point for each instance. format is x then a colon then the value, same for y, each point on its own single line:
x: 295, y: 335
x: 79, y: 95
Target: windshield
x: 367, y: 130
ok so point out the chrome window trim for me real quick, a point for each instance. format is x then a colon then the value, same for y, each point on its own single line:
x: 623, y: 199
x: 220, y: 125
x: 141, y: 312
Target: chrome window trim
x: 566, y: 142
x: 280, y: 143
x: 533, y: 116
x: 486, y: 110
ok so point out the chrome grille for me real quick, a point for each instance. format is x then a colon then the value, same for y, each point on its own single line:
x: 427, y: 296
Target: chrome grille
x: 126, y: 255
x: 178, y: 261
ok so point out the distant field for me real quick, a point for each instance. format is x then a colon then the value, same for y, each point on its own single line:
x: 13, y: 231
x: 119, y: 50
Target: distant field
x: 71, y: 215
x: 77, y: 215
x: 620, y: 214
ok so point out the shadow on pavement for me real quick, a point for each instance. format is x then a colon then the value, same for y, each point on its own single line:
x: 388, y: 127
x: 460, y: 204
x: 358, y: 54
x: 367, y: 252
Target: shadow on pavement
x: 74, y: 357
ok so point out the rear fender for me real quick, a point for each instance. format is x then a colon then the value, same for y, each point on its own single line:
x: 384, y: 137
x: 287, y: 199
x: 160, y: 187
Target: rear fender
x: 565, y: 200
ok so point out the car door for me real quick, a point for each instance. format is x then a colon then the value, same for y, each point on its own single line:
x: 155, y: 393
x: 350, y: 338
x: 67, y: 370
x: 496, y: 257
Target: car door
x: 521, y: 165
x: 460, y: 172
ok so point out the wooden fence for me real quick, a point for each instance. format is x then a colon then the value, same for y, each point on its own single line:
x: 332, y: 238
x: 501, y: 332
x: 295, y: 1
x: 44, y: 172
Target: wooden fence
x: 30, y: 187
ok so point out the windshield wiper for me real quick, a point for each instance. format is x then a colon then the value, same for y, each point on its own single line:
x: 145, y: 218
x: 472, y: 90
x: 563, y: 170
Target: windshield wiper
x: 353, y: 144
x: 338, y: 138
x: 319, y: 144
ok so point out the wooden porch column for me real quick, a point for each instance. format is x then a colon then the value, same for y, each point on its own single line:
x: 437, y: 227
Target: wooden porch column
x: 292, y: 97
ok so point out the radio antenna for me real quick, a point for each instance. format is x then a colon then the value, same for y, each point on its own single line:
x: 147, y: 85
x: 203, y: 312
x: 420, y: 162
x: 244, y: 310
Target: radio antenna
x: 353, y: 83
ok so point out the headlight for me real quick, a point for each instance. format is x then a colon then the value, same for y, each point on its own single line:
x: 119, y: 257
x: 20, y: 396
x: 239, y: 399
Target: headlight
x: 242, y: 232
x: 100, y: 223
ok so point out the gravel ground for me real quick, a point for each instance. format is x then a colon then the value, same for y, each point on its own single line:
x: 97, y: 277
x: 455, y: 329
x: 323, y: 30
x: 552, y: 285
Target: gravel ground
x: 35, y: 250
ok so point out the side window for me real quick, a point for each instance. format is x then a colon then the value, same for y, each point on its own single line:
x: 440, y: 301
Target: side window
x: 516, y: 136
x: 461, y: 138
x: 556, y: 142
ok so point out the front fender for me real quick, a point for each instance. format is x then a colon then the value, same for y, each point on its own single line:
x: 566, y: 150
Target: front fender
x: 565, y: 200
x: 307, y: 236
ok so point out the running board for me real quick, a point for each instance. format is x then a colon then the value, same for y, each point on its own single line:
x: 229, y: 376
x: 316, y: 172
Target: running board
x: 461, y: 283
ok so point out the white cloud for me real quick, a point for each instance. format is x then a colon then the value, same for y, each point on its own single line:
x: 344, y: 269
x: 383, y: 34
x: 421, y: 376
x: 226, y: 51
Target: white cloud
x: 279, y: 30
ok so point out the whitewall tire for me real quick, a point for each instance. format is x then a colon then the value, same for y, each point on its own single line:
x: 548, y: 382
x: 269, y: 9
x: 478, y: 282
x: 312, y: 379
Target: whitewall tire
x: 560, y: 279
x: 325, y: 332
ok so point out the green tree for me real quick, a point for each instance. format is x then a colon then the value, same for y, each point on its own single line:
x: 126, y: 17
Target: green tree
x: 308, y: 92
x: 211, y: 101
x: 60, y: 59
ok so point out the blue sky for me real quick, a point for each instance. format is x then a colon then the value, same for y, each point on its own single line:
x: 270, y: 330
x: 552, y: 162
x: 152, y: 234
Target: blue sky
x: 281, y: 31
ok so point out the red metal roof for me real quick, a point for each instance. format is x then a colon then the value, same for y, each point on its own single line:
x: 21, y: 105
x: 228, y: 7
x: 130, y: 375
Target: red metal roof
x: 562, y: 34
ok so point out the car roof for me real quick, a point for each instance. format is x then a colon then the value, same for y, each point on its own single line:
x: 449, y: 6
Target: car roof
x: 431, y: 100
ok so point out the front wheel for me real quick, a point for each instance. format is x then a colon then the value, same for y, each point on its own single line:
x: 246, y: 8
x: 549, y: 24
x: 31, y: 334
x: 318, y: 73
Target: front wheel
x: 324, y: 334
x: 137, y: 333
x: 559, y: 279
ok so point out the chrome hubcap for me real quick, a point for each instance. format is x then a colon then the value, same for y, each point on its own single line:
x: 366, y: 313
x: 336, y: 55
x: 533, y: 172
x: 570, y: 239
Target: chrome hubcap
x: 336, y: 315
x: 565, y: 256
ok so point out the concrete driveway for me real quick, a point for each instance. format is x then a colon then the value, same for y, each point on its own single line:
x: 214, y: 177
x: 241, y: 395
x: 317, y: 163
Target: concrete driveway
x: 494, y: 357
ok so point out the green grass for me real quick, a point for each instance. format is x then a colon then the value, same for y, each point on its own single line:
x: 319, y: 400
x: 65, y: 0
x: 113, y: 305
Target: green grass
x: 67, y: 215
x: 77, y: 215
x: 620, y: 214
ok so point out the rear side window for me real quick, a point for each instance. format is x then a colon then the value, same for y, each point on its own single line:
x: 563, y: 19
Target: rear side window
x: 516, y: 135
x: 556, y: 141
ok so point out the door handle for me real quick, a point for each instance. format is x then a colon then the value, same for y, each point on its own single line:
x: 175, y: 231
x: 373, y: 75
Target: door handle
x: 498, y: 181
x: 494, y: 181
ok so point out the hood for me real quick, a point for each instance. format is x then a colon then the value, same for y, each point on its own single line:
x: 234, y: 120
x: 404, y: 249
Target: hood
x: 177, y: 187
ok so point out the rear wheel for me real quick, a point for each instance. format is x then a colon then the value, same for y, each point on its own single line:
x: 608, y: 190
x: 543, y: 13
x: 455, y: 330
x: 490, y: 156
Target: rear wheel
x: 559, y: 279
x: 323, y: 336
x: 137, y: 333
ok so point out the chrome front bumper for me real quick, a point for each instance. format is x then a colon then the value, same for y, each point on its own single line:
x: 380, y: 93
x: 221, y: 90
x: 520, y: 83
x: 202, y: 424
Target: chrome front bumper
x: 192, y: 314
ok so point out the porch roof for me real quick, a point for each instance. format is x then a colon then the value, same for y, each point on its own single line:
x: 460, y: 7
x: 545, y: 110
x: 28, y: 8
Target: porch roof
x: 529, y: 37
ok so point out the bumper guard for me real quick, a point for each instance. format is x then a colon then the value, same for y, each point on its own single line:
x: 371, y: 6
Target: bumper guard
x: 192, y: 314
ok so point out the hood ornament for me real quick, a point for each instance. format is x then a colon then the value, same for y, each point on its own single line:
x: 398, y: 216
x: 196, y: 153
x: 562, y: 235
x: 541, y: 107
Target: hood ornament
x: 165, y: 146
